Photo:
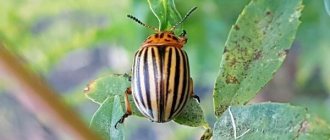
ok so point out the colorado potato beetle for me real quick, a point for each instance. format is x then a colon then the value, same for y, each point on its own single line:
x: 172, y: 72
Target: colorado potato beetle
x: 161, y: 83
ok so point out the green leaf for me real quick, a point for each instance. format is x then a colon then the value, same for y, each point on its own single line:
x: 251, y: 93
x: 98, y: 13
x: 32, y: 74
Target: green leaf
x: 255, y: 49
x: 109, y: 85
x: 192, y: 115
x: 106, y: 117
x: 270, y: 121
x: 165, y: 11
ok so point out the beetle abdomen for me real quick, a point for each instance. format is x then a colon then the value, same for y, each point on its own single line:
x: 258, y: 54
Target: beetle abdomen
x: 160, y: 81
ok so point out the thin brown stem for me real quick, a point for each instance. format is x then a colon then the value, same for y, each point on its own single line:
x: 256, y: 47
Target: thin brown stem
x: 34, y: 94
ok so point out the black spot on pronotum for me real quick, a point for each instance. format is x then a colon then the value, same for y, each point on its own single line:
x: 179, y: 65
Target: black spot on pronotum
x: 161, y: 35
x: 167, y: 40
x: 156, y: 35
x: 169, y: 36
x: 175, y: 38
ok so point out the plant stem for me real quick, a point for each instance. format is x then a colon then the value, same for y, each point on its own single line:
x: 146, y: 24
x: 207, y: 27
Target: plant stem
x: 34, y: 94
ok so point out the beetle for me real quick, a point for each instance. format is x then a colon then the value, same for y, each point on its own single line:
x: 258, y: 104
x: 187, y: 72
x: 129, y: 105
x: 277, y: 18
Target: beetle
x: 161, y: 84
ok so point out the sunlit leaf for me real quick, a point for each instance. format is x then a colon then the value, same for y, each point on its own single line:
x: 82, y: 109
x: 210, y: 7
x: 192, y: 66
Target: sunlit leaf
x: 255, y: 49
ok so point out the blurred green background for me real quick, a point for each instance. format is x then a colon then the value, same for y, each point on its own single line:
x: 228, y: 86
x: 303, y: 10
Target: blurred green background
x: 70, y: 43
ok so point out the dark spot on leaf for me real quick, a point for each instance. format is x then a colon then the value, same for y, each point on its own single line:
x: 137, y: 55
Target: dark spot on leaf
x: 303, y: 127
x: 232, y: 62
x: 220, y: 109
x: 247, y: 64
x: 246, y: 38
x: 225, y: 50
x: 283, y: 53
x: 236, y: 27
x: 278, y: 23
x: 230, y: 79
x: 268, y: 13
x: 257, y: 55
x: 227, y: 57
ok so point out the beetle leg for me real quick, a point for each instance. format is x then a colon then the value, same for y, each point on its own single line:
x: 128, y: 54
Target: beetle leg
x: 191, y: 90
x: 127, y: 106
x: 183, y: 34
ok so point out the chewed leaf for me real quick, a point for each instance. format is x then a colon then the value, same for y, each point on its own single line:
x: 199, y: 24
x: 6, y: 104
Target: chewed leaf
x: 269, y: 121
x: 255, y: 49
x: 106, y: 117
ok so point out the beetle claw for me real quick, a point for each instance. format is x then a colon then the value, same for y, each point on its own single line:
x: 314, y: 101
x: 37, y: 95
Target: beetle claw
x: 183, y: 33
x: 121, y: 120
x: 197, y: 98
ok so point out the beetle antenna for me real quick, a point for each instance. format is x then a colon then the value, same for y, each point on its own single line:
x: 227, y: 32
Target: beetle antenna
x: 184, y: 18
x: 143, y: 24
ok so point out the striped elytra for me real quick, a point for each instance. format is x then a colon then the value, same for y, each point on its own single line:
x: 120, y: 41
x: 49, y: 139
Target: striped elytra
x: 160, y: 81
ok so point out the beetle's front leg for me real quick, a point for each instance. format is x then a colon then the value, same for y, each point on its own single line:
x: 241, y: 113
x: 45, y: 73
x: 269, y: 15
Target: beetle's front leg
x: 191, y: 90
x: 127, y: 106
